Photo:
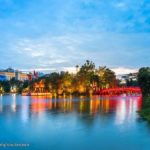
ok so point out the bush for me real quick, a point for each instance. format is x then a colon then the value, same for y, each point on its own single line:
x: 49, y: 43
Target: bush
x: 145, y: 111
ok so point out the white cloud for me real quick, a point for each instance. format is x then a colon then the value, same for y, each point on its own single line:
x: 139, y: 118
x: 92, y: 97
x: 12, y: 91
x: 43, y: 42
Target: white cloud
x: 27, y: 49
x: 45, y: 70
x: 37, y: 54
x: 110, y: 49
x: 69, y: 69
x: 121, y: 5
x: 123, y: 70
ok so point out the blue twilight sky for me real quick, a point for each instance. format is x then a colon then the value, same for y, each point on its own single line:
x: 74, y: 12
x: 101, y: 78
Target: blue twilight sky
x: 58, y: 34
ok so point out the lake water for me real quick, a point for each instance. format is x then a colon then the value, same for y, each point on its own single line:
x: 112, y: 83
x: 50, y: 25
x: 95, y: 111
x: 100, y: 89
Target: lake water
x: 96, y: 123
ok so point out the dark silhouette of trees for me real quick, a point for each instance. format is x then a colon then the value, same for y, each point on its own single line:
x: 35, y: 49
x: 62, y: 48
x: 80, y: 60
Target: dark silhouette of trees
x: 144, y: 80
x: 144, y: 83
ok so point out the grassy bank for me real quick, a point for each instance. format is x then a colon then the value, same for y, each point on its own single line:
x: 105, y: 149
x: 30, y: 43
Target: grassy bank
x: 145, y: 111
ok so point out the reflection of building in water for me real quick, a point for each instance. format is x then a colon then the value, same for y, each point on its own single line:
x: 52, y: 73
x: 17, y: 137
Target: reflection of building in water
x: 94, y: 106
x: 105, y: 105
x: 91, y: 106
x: 64, y: 105
x: 126, y: 109
x: 13, y: 105
x: 122, y: 107
x: 39, y: 104
x: 110, y: 105
x: 42, y: 104
x: 1, y: 103
x: 25, y: 109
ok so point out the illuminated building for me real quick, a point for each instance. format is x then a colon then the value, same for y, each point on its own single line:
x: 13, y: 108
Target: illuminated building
x: 38, y: 90
x: 9, y: 74
x: 39, y: 87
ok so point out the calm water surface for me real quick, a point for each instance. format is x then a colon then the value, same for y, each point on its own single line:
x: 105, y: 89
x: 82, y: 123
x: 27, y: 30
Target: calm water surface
x: 97, y: 123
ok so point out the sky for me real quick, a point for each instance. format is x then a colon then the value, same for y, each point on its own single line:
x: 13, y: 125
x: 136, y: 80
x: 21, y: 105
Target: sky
x: 54, y: 35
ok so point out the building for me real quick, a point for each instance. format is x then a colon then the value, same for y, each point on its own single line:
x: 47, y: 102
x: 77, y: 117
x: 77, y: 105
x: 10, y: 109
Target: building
x: 3, y: 78
x: 127, y: 77
x: 21, y: 76
x: 9, y: 73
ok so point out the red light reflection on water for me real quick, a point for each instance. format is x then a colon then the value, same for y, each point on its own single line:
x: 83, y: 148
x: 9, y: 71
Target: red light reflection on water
x: 124, y: 107
x: 39, y: 104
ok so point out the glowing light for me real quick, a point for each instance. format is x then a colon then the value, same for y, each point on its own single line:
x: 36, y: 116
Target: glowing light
x: 13, y: 105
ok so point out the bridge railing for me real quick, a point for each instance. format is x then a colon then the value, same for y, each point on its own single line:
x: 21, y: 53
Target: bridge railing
x: 120, y: 90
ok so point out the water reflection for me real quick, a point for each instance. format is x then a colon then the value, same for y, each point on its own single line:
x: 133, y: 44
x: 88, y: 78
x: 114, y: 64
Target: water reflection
x: 13, y: 104
x: 78, y: 123
x: 123, y: 108
x: 1, y: 104
x: 25, y: 109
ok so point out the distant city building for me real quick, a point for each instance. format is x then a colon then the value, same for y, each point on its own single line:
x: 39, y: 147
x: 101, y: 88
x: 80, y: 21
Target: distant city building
x: 3, y: 78
x: 37, y: 75
x: 127, y: 77
x: 10, y: 73
x: 40, y: 74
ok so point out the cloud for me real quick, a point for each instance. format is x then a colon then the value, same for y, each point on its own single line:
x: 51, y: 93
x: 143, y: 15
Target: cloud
x: 121, y: 5
x: 69, y: 69
x: 123, y: 70
x: 67, y: 50
x: 37, y: 54
x: 75, y: 31
x: 45, y: 70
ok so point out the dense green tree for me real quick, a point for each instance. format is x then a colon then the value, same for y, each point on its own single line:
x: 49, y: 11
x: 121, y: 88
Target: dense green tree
x: 52, y: 82
x: 107, y: 77
x: 144, y: 83
x: 1, y: 88
x: 67, y: 80
x: 6, y: 86
x: 88, y: 67
x: 144, y: 80
x: 110, y: 78
x: 85, y: 81
x: 85, y: 75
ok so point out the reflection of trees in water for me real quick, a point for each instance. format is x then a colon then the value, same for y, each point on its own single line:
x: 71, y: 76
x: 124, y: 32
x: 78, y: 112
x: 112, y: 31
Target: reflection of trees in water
x: 86, y: 109
x: 81, y: 106
x: 86, y: 119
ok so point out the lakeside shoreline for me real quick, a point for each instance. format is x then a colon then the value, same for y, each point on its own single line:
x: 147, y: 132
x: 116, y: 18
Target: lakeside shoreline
x: 145, y: 110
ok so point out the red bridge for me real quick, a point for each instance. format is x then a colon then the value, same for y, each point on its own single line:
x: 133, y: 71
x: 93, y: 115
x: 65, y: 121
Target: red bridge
x: 120, y: 90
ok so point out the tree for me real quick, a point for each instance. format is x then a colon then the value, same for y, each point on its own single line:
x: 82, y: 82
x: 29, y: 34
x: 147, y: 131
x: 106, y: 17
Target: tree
x: 144, y: 80
x: 52, y: 82
x: 144, y: 83
x: 77, y: 68
x: 85, y: 81
x: 1, y: 89
x: 67, y: 80
x: 84, y: 76
x: 107, y: 77
x: 6, y: 86
x: 88, y: 67
x: 110, y: 78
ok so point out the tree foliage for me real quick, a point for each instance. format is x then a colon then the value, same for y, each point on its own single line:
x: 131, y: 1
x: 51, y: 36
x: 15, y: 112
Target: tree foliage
x: 144, y: 80
x: 144, y: 83
x: 82, y: 82
x: 85, y: 81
